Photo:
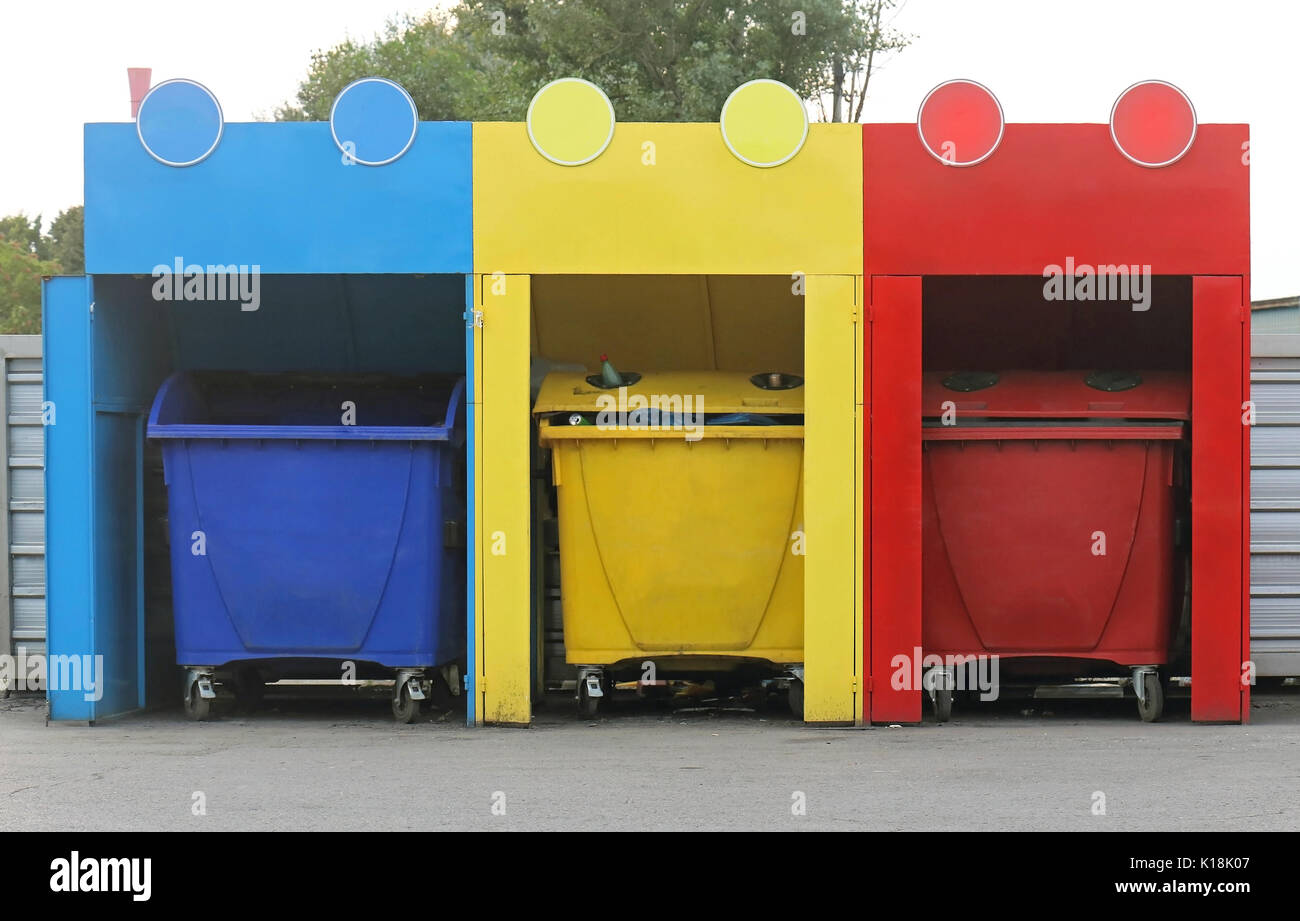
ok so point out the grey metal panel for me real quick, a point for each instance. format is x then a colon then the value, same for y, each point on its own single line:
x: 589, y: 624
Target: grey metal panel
x: 1272, y: 569
x: 27, y: 526
x: 31, y: 365
x: 25, y: 394
x: 1275, y: 503
x: 1274, y: 445
x: 1283, y: 344
x: 22, y: 495
x: 29, y: 618
x: 1281, y: 529
x: 1274, y: 487
x: 27, y: 483
x: 26, y: 441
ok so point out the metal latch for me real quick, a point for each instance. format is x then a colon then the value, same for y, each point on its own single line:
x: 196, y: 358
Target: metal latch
x: 473, y: 319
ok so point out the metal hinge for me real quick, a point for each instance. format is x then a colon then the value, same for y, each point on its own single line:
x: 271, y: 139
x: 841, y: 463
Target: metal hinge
x: 473, y: 319
x: 481, y: 682
x: 854, y: 314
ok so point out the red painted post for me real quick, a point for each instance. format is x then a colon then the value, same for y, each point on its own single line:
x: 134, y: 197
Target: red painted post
x: 1218, y: 487
x: 894, y: 621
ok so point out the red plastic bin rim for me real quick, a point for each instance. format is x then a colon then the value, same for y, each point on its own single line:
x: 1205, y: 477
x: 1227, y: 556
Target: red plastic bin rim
x: 1060, y: 395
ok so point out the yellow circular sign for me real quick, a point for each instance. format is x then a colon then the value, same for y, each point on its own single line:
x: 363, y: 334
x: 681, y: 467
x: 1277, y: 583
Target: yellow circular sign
x: 570, y: 121
x: 764, y: 123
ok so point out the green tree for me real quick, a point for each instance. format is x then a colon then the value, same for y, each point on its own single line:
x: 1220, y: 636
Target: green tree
x: 658, y: 60
x: 26, y: 254
x: 22, y: 231
x: 65, y: 241
x: 20, y: 287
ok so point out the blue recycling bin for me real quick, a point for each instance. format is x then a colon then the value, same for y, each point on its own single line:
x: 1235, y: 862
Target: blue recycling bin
x: 314, y: 520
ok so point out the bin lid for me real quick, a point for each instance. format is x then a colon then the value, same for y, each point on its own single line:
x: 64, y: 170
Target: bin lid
x: 709, y: 392
x: 343, y: 407
x: 1082, y: 394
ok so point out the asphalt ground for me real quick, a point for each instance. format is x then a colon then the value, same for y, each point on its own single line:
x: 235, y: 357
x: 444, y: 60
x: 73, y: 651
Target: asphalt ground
x: 333, y: 759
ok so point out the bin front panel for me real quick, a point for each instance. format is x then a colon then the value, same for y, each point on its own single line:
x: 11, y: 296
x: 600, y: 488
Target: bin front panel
x: 1010, y: 559
x: 278, y: 577
x: 279, y: 196
x: 678, y: 542
x: 695, y: 209
x: 698, y: 566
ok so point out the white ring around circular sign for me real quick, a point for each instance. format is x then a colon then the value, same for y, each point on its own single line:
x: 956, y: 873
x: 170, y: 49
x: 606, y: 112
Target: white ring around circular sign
x: 1002, y: 124
x: 722, y: 124
x: 528, y: 122
x: 415, y: 120
x: 1111, y: 124
x: 221, y: 121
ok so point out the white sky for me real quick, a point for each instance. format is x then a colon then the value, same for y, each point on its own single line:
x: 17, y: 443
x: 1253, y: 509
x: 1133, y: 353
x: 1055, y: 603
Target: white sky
x: 63, y: 63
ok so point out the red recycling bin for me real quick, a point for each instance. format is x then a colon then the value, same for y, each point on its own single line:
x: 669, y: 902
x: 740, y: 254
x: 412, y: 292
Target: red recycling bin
x: 1049, y: 502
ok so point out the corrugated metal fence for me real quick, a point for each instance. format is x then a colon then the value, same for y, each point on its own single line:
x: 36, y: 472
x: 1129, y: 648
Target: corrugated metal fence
x: 1275, y: 504
x: 22, y: 495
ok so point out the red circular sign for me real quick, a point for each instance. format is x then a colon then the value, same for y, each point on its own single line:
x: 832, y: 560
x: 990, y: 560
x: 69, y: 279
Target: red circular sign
x: 1153, y: 123
x: 960, y: 122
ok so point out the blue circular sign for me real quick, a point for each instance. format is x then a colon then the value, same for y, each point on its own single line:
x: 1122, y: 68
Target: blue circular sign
x: 374, y: 121
x: 179, y: 122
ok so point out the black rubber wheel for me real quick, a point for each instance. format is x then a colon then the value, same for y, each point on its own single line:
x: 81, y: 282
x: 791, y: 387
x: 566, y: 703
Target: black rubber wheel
x: 197, y: 707
x: 942, y: 704
x: 249, y: 688
x: 588, y: 706
x: 405, y: 707
x: 1154, y: 706
x: 795, y: 698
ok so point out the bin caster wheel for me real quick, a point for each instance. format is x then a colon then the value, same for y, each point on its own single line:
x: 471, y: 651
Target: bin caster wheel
x: 249, y: 689
x: 795, y: 698
x: 588, y: 706
x: 197, y: 707
x: 942, y: 702
x: 1151, y: 706
x: 405, y: 707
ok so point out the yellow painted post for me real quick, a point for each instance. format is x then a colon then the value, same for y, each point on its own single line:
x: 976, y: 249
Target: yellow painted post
x: 861, y: 538
x: 505, y: 545
x: 831, y: 497
x: 477, y: 545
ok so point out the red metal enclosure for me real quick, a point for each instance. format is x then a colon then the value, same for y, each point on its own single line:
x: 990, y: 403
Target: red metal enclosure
x: 1048, y: 513
x: 956, y: 259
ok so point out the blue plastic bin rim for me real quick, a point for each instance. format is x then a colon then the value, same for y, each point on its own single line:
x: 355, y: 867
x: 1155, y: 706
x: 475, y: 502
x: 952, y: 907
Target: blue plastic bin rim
x: 444, y: 432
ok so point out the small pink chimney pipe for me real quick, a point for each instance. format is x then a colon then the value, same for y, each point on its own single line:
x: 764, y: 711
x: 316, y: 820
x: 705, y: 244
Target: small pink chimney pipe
x: 139, y: 78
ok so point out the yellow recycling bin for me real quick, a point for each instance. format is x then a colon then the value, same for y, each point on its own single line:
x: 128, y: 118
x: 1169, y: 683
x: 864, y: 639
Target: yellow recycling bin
x: 680, y: 502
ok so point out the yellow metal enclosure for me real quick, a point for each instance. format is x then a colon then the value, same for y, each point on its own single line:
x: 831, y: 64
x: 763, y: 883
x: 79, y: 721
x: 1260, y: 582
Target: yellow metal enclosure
x: 672, y: 256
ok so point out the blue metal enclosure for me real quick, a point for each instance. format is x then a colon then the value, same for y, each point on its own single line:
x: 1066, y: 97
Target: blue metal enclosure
x: 273, y: 253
